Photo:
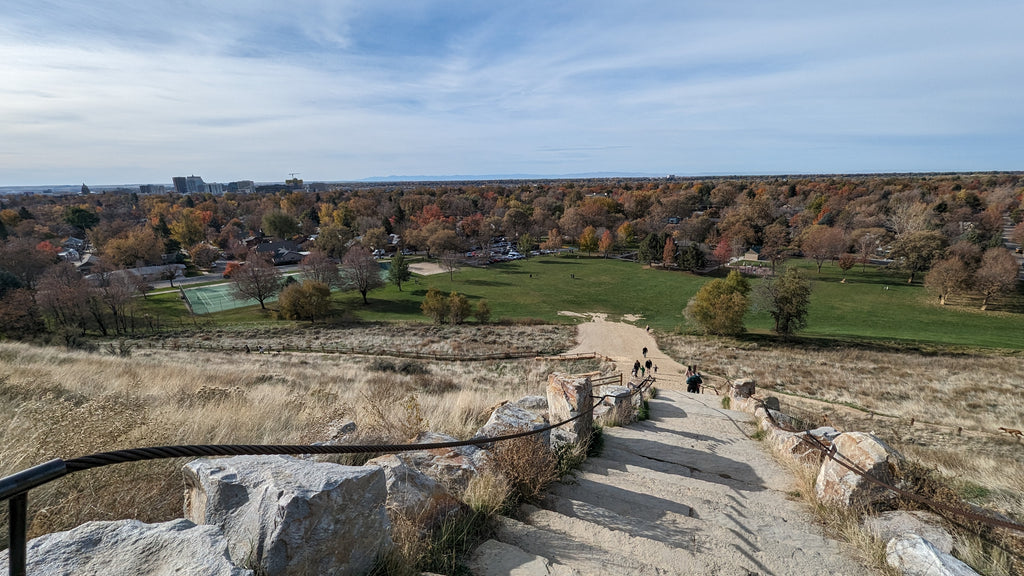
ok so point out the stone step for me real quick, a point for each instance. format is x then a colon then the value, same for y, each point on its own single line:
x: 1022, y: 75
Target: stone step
x: 494, y: 558
x: 582, y: 556
x: 637, y: 519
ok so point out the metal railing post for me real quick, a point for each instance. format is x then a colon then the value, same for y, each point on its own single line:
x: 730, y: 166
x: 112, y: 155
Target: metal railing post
x: 18, y: 529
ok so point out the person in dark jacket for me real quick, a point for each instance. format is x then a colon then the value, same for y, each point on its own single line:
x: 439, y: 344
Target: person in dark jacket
x: 693, y: 381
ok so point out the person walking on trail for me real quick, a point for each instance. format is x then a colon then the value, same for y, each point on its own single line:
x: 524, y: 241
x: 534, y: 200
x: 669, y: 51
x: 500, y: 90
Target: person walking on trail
x: 636, y: 368
x: 693, y: 381
x: 645, y: 351
x: 641, y: 371
x: 648, y: 364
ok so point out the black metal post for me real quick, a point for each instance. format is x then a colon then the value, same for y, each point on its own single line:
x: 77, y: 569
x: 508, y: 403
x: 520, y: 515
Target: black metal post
x: 17, y: 553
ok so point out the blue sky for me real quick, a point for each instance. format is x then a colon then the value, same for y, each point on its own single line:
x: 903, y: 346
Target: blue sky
x: 106, y: 91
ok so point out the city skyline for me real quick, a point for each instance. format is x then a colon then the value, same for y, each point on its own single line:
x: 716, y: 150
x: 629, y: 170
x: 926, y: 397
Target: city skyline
x: 111, y: 92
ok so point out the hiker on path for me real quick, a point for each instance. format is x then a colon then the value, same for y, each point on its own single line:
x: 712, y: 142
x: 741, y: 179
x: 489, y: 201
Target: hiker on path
x: 645, y: 351
x: 636, y: 368
x: 648, y: 364
x: 693, y: 381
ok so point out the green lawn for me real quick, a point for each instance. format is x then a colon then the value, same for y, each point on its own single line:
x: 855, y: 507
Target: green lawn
x: 860, y: 309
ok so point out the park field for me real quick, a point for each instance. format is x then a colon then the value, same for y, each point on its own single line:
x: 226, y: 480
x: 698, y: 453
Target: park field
x: 874, y: 306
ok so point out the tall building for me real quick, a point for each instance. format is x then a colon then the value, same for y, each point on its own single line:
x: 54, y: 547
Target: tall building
x: 189, y: 184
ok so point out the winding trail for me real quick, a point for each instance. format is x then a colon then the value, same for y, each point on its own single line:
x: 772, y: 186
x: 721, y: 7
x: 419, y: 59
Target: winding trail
x: 684, y: 492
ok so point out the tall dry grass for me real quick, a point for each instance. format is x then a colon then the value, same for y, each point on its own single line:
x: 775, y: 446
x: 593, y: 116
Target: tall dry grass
x: 941, y: 410
x: 57, y: 403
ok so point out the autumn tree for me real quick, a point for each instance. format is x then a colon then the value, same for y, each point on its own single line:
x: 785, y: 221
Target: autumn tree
x: 525, y: 244
x: 668, y: 255
x: 333, y: 240
x: 138, y: 245
x: 258, y: 279
x: 114, y: 289
x: 948, y: 277
x: 915, y: 252
x: 606, y: 243
x: 997, y: 275
x: 306, y: 301
x: 626, y: 232
x: 361, y: 271
x: 190, y: 227
x: 553, y: 241
x: 19, y: 314
x: 435, y: 305
x: 399, y: 271
x: 787, y: 298
x: 20, y: 257
x: 1017, y: 235
x: 588, y: 240
x: 719, y: 305
x: 458, y: 308
x: 203, y: 255
x: 775, y: 245
x: 847, y: 261
x: 280, y: 225
x: 821, y: 243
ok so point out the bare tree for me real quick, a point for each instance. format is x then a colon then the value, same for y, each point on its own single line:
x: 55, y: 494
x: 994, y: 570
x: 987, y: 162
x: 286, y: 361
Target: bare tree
x: 449, y: 260
x: 317, y: 266
x: 997, y: 274
x: 823, y: 243
x: 62, y: 294
x: 258, y: 279
x: 361, y: 270
x: 947, y: 277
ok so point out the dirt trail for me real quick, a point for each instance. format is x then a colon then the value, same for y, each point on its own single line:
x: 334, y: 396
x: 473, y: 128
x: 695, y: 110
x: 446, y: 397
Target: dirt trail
x: 624, y: 343
x: 687, y: 491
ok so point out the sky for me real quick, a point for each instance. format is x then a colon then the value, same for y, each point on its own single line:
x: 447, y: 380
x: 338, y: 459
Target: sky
x: 110, y: 91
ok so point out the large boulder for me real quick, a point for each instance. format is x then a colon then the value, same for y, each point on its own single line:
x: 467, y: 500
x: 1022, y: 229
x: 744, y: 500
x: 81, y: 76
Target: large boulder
x: 927, y: 525
x: 915, y: 556
x: 741, y: 392
x: 803, y: 446
x: 569, y: 396
x: 621, y: 410
x: 513, y: 417
x: 414, y: 495
x: 290, y: 516
x: 452, y: 467
x: 130, y: 547
x: 838, y: 485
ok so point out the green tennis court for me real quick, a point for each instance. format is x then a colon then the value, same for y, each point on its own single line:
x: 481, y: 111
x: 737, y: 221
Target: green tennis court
x: 221, y: 297
x: 217, y: 298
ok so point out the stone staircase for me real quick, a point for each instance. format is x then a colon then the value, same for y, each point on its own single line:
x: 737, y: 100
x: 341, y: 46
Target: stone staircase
x: 685, y: 492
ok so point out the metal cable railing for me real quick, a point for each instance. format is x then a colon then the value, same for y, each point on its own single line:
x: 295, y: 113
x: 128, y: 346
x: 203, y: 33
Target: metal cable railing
x: 833, y: 454
x: 15, y: 488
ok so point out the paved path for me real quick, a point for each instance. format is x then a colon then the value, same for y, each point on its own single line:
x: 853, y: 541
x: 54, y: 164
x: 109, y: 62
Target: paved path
x: 685, y: 492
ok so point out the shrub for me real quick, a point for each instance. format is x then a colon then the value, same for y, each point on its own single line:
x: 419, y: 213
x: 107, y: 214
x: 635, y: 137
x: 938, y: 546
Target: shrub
x: 483, y: 312
x: 528, y: 465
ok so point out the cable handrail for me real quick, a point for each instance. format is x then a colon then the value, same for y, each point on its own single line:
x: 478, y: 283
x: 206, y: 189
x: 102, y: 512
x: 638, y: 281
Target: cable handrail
x: 15, y: 488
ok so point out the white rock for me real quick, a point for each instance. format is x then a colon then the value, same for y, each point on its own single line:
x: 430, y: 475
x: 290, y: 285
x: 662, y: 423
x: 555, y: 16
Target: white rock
x: 801, y: 445
x: 129, y: 548
x: 291, y: 516
x: 927, y: 525
x: 622, y: 411
x: 511, y: 418
x: 452, y: 467
x: 838, y: 485
x: 414, y: 495
x: 915, y: 556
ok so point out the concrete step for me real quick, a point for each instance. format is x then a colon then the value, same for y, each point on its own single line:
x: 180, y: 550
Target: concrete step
x: 582, y: 556
x: 494, y: 558
x: 630, y: 517
x: 612, y: 541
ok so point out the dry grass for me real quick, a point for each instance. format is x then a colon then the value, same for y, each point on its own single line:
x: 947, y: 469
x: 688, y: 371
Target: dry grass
x: 916, y: 402
x: 60, y: 404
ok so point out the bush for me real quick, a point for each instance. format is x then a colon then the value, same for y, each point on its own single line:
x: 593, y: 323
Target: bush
x: 528, y: 465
